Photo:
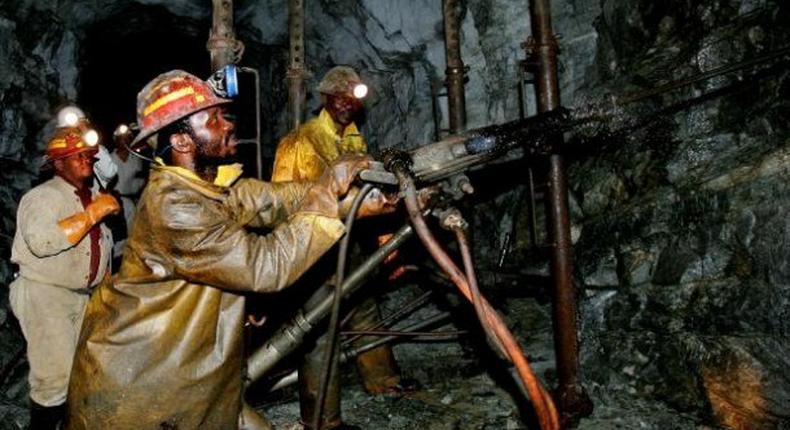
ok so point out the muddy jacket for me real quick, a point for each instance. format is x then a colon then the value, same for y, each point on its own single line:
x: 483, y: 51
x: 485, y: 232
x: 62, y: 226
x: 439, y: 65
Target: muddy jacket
x: 162, y: 347
x: 303, y: 154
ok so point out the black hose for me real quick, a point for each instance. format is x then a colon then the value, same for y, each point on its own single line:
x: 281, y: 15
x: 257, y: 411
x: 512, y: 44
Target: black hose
x: 330, y: 355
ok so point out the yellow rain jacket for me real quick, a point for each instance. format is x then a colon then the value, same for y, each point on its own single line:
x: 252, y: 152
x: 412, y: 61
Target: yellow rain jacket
x: 162, y: 347
x: 304, y: 153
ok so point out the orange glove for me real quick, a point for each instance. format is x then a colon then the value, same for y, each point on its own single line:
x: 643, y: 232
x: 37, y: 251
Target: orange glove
x: 77, y: 226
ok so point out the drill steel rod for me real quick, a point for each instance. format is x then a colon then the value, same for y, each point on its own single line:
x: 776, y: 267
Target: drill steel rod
x: 704, y: 76
x: 396, y: 316
x: 292, y: 377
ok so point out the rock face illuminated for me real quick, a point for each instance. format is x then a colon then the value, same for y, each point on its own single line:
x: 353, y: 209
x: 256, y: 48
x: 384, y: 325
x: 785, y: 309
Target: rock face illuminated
x: 680, y: 222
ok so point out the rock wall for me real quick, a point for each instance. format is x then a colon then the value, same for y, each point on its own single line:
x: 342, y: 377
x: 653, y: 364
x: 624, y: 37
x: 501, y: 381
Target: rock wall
x: 684, y: 238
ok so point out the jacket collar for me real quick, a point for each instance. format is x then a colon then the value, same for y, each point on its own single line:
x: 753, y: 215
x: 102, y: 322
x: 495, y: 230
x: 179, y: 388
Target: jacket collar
x: 226, y: 176
x: 328, y: 125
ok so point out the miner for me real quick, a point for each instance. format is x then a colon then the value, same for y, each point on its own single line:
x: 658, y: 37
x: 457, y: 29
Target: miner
x: 62, y: 248
x: 303, y: 155
x: 162, y: 346
x: 128, y: 185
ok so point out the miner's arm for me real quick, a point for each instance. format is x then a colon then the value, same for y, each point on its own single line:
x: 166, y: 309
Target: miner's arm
x: 205, y: 248
x: 261, y: 204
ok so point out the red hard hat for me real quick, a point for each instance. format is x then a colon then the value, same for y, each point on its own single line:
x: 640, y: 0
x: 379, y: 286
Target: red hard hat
x: 68, y: 141
x: 170, y: 97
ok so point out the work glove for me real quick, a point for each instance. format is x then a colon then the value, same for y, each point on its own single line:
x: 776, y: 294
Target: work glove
x: 322, y: 197
x: 339, y: 176
x: 103, y: 205
x: 78, y: 225
x: 375, y: 203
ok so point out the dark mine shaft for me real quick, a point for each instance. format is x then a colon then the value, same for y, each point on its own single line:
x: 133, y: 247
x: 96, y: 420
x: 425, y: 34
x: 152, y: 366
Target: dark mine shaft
x: 446, y: 214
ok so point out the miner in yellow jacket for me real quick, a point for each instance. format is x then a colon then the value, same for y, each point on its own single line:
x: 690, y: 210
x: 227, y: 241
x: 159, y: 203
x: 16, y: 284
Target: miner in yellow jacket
x: 162, y: 346
x: 302, y: 155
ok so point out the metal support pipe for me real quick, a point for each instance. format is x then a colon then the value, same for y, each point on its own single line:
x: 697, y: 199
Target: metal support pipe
x: 296, y: 69
x: 572, y: 399
x: 257, y: 139
x: 288, y: 338
x: 456, y: 71
x: 222, y: 43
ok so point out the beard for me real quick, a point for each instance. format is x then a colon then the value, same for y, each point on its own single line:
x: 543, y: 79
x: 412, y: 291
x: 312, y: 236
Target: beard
x: 208, y: 158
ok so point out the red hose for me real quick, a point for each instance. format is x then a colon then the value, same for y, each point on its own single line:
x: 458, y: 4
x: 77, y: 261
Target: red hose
x: 490, y: 319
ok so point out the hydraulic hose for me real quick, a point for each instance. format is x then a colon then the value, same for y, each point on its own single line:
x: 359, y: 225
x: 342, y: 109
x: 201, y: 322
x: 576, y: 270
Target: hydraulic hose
x: 477, y: 298
x: 544, y: 405
x: 481, y: 303
x: 331, y: 346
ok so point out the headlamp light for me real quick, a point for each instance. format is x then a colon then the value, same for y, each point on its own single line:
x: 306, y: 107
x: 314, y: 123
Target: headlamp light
x: 121, y: 130
x: 91, y: 137
x: 360, y: 91
x: 69, y: 116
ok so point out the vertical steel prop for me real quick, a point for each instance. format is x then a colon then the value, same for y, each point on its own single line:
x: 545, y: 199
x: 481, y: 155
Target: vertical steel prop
x: 572, y: 400
x: 297, y: 72
x: 222, y: 44
x: 224, y: 49
x: 456, y: 71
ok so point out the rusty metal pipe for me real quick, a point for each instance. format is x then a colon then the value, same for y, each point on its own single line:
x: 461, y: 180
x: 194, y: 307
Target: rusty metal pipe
x: 297, y: 72
x: 573, y: 401
x: 456, y: 71
x: 222, y: 44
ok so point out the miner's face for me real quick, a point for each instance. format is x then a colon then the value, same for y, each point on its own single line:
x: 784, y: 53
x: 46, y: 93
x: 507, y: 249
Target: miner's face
x: 76, y: 169
x: 213, y: 134
x: 343, y: 108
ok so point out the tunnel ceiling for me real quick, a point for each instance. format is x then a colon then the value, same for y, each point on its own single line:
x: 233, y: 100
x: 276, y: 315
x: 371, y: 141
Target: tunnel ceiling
x: 124, y: 51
